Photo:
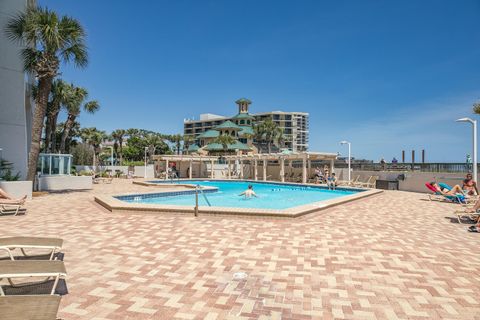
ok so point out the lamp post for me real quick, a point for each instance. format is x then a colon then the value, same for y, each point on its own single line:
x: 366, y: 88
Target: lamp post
x: 145, y: 174
x: 349, y: 157
x: 111, y: 160
x: 474, y: 127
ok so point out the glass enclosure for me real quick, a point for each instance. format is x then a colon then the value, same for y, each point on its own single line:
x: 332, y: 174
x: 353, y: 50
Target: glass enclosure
x: 54, y: 164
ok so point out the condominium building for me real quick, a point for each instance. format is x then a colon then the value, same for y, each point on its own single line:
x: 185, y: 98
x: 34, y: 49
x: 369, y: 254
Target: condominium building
x: 293, y: 124
x: 15, y: 100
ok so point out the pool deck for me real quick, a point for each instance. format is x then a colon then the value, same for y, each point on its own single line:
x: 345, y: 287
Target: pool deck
x: 113, y: 204
x: 392, y: 256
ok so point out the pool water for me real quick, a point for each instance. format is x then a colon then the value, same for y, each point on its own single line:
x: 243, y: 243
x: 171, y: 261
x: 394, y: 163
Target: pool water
x: 270, y: 196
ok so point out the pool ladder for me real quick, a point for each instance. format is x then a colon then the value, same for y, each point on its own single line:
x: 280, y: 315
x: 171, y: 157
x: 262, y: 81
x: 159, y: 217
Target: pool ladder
x: 199, y: 188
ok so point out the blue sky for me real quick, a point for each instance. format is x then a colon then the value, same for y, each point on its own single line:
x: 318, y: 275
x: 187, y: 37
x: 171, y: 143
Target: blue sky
x: 386, y: 75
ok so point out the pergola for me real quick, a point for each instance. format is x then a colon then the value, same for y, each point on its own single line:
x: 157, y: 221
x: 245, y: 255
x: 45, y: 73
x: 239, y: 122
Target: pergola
x: 305, y: 157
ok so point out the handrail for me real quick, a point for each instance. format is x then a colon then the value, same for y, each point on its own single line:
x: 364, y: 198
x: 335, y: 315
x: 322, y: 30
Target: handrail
x: 203, y: 193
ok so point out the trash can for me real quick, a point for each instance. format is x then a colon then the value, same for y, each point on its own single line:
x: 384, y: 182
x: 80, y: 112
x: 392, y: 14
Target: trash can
x: 387, y: 184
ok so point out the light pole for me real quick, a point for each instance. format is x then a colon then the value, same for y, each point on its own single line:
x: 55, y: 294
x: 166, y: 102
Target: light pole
x: 145, y: 175
x: 111, y: 161
x: 474, y: 126
x: 349, y: 157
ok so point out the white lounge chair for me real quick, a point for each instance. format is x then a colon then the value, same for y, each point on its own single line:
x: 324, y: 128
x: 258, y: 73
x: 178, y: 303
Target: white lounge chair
x: 29, y: 307
x: 52, y: 245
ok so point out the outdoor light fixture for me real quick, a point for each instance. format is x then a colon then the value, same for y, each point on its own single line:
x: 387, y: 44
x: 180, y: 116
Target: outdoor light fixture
x: 474, y: 127
x: 349, y: 157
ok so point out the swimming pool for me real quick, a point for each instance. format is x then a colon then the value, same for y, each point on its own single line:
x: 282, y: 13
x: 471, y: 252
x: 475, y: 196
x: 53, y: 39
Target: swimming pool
x: 226, y: 194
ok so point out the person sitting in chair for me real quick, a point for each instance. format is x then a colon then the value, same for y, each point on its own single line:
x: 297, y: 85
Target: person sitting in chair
x: 469, y: 185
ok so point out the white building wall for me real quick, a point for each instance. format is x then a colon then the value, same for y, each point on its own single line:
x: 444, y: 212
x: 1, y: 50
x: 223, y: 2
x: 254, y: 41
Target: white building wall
x: 15, y: 113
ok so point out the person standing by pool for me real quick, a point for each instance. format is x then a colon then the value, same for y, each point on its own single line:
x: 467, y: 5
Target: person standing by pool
x: 249, y: 192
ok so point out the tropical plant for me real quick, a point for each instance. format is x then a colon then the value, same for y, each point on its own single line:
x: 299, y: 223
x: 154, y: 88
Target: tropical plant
x: 94, y: 139
x: 58, y: 97
x: 48, y: 39
x: 76, y: 99
x: 176, y: 140
x: 118, y: 136
x: 268, y: 132
x: 6, y: 169
x: 224, y: 140
x: 187, y: 141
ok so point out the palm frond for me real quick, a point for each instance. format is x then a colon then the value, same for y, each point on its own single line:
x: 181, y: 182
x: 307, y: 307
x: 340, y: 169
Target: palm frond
x: 91, y: 106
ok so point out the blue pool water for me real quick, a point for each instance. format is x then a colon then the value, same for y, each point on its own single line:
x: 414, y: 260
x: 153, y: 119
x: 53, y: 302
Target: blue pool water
x: 270, y: 196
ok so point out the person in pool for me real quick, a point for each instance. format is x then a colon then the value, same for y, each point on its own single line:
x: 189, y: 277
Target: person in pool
x: 469, y: 185
x: 249, y: 192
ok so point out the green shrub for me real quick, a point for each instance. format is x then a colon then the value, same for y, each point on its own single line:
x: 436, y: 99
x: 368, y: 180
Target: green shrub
x: 85, y: 173
x: 6, y: 171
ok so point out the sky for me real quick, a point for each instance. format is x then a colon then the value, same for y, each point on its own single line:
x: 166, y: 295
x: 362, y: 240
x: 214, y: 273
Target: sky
x: 385, y: 75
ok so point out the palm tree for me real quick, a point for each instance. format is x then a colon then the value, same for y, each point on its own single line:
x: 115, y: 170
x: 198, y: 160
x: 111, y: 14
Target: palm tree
x: 49, y: 39
x: 187, y: 141
x: 225, y: 140
x: 118, y: 135
x: 93, y: 138
x: 476, y: 107
x: 176, y: 139
x: 77, y: 97
x: 271, y: 133
x: 58, y: 97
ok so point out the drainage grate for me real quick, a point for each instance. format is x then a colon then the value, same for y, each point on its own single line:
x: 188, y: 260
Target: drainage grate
x: 239, y: 275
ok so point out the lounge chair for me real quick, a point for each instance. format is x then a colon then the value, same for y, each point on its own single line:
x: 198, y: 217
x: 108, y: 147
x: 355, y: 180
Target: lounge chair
x: 53, y: 245
x: 29, y: 307
x: 11, y: 209
x: 289, y: 177
x: 443, y: 197
x: 53, y: 271
x: 469, y: 216
x: 348, y: 183
x: 370, y: 183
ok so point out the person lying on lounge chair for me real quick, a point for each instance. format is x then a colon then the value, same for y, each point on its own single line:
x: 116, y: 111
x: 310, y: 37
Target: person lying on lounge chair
x: 6, y: 198
x: 452, y: 192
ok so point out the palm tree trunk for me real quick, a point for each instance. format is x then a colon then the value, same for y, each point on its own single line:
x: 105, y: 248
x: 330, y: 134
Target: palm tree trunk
x: 48, y: 134
x: 53, y: 132
x: 66, y: 132
x: 44, y: 86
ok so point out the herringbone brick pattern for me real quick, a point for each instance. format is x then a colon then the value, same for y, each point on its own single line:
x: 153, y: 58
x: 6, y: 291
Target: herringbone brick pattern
x: 393, y: 256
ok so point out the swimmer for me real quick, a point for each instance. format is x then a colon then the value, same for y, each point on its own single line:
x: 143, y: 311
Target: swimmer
x: 249, y: 192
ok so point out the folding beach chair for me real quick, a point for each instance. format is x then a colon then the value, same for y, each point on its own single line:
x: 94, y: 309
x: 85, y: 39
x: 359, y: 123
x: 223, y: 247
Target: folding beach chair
x: 52, y: 245
x: 11, y: 209
x: 29, y: 307
x: 442, y: 197
x: 53, y: 275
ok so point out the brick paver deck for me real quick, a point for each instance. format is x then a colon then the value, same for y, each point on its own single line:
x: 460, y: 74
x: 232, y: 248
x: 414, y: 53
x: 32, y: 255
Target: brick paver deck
x: 392, y: 256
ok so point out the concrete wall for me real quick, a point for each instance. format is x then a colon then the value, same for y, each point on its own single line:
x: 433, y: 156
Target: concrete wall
x: 15, y: 108
x: 414, y: 181
x: 17, y: 189
x: 124, y: 169
x: 139, y: 171
x: 60, y: 183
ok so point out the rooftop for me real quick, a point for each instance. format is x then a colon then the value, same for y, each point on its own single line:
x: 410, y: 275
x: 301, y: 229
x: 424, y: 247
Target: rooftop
x: 392, y: 256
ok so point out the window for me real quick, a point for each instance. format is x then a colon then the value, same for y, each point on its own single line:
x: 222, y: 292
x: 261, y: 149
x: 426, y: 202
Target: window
x: 242, y: 121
